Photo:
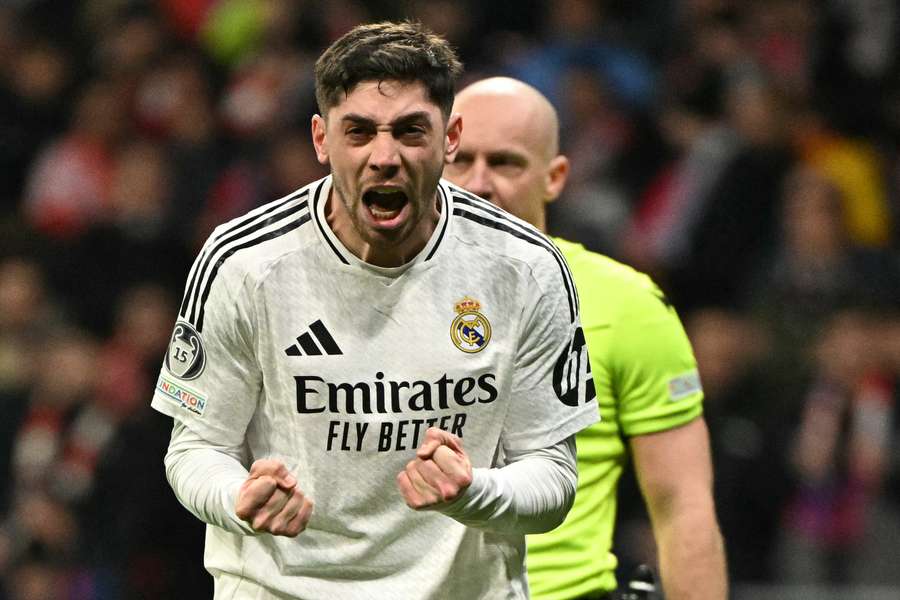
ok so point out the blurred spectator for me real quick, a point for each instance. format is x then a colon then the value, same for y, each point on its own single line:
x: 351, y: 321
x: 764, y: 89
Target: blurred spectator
x: 576, y: 34
x: 665, y: 217
x: 174, y: 102
x: 266, y: 93
x: 287, y: 163
x: 128, y: 359
x: 232, y: 29
x: 68, y: 185
x: 130, y: 37
x: 185, y: 17
x: 856, y: 168
x: 42, y: 523
x: 598, y: 135
x: 839, y: 454
x: 142, y: 536
x: 133, y: 242
x: 856, y: 61
x: 37, y: 579
x: 750, y: 417
x: 236, y: 31
x: 781, y: 35
x: 736, y: 227
x: 26, y: 318
x: 453, y: 20
x: 54, y: 405
x: 816, y: 270
x: 708, y: 219
x: 35, y: 75
x: 71, y: 435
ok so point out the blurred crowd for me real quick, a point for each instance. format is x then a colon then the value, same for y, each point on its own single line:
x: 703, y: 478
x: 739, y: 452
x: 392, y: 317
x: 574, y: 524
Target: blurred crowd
x: 745, y: 154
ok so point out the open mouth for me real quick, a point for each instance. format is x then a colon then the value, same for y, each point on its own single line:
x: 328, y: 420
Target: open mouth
x: 384, y: 204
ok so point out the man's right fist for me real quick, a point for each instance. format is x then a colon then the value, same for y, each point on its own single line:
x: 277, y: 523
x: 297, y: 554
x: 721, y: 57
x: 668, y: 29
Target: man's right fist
x: 271, y: 501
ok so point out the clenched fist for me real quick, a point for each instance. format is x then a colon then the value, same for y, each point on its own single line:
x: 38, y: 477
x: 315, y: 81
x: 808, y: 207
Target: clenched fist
x: 270, y: 500
x: 439, y: 474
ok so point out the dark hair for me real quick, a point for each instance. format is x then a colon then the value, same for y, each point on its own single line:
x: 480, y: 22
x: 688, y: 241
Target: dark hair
x: 405, y: 51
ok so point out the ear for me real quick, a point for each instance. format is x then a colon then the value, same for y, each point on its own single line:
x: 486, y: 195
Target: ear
x: 454, y: 134
x: 319, y: 138
x: 556, y: 177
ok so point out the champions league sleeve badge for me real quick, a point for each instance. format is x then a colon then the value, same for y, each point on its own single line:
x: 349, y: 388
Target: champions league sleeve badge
x: 185, y: 358
x: 470, y: 330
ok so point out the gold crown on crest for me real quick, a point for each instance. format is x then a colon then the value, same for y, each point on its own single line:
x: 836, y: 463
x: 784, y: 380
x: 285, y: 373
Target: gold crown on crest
x: 467, y: 305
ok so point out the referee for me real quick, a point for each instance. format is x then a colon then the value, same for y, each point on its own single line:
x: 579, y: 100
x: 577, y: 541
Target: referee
x: 648, y: 389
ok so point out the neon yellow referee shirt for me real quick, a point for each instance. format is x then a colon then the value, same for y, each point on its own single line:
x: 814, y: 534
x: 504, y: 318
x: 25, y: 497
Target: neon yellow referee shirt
x: 646, y: 379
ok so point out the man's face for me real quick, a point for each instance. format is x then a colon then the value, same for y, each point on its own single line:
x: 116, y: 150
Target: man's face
x: 501, y: 157
x: 386, y: 143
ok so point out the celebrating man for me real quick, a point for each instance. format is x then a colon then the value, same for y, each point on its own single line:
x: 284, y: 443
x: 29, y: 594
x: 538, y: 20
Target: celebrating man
x: 383, y: 344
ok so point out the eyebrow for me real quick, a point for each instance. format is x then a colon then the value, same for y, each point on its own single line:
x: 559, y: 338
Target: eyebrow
x: 413, y: 117
x: 509, y: 156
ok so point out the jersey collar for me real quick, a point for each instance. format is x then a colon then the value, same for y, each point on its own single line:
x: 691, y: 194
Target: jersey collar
x: 320, y: 191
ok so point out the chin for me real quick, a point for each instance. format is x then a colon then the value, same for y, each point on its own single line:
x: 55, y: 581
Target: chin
x: 387, y: 238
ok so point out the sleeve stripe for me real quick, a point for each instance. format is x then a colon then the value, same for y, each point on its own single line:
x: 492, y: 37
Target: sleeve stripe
x: 272, y: 234
x: 213, y: 245
x: 445, y: 205
x: 218, y: 248
x: 533, y: 233
x: 182, y: 311
x: 482, y: 204
x: 315, y: 212
x: 462, y: 211
x: 218, y: 244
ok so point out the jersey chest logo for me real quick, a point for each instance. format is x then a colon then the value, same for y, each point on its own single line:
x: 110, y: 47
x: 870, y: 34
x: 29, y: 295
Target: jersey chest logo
x: 307, y: 342
x: 470, y: 330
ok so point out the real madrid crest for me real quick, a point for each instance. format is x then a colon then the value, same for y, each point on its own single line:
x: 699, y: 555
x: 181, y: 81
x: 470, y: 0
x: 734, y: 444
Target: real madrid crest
x: 470, y: 330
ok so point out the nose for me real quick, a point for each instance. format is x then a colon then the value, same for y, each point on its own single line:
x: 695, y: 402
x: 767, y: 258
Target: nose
x: 479, y: 181
x: 384, y: 157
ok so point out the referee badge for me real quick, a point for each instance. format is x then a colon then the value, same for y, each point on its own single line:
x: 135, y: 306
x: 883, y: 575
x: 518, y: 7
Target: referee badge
x: 470, y: 330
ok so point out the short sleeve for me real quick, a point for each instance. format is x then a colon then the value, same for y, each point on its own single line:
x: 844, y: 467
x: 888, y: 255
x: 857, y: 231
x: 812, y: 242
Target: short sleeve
x: 210, y: 379
x: 652, y: 366
x: 552, y: 390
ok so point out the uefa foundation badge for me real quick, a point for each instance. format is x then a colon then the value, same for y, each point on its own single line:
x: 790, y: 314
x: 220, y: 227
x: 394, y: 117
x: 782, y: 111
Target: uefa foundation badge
x: 470, y: 330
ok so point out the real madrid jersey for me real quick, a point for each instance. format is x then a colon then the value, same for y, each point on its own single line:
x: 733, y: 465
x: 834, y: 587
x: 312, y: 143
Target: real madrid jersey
x: 288, y: 345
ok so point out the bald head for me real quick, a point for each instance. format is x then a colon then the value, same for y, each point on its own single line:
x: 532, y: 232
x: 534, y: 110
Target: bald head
x: 509, y: 148
x: 526, y: 108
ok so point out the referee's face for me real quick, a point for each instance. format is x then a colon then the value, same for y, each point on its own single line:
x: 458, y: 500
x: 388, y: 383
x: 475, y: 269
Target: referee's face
x: 506, y: 154
x: 386, y: 144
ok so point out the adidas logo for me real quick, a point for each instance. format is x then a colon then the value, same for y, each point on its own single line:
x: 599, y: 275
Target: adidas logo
x: 306, y: 343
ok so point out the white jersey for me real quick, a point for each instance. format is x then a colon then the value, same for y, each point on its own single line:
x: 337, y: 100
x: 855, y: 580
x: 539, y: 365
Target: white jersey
x: 289, y: 346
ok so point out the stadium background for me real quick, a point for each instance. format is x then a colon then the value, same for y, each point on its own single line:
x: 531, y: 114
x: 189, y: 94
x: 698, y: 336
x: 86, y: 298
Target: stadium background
x: 743, y: 153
